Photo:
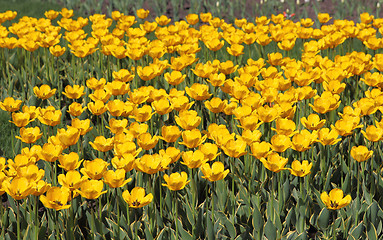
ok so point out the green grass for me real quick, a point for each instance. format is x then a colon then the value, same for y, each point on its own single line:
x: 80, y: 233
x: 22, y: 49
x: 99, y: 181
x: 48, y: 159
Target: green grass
x: 31, y: 8
x: 5, y: 135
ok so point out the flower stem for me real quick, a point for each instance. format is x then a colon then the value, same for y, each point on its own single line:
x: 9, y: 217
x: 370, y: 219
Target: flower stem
x: 18, y: 220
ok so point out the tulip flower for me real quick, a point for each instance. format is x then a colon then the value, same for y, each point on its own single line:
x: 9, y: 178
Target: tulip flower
x: 74, y: 92
x: 19, y: 187
x: 335, y: 199
x: 115, y: 179
x: 300, y: 169
x: 71, y: 180
x: 29, y: 135
x: 56, y: 198
x: 172, y: 152
x: 69, y: 161
x: 10, y: 104
x: 198, y: 91
x: 313, y: 122
x: 215, y: 172
x: 94, y: 169
x: 170, y: 133
x: 274, y: 162
x: 102, y: 144
x: 91, y: 189
x: 151, y: 164
x: 176, y: 181
x: 192, y: 138
x: 188, y: 120
x: 127, y: 162
x: 44, y: 92
x: 147, y: 141
x: 21, y: 119
x: 136, y: 198
x: 360, y: 153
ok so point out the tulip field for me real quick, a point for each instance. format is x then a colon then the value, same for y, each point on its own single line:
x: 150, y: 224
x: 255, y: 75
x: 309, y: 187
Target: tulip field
x: 120, y: 127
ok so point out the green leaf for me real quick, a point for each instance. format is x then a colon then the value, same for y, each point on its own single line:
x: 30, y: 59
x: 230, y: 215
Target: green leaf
x: 184, y: 234
x: 323, y: 219
x: 270, y: 230
x: 210, y: 227
x: 371, y: 232
x: 229, y: 226
x: 257, y: 219
x: 357, y: 231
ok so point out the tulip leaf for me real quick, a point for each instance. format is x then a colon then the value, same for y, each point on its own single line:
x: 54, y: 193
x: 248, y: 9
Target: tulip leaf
x: 270, y: 230
x: 257, y: 219
x: 371, y: 232
x: 210, y: 227
x: 356, y: 231
x: 323, y: 218
x: 184, y: 234
x: 229, y: 226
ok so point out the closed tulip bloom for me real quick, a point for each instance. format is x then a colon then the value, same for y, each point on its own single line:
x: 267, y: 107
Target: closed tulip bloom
x: 154, y: 163
x: 251, y: 136
x: 285, y: 127
x: 56, y: 198
x: 274, y: 162
x: 181, y: 103
x: 335, y: 199
x: 327, y: 137
x: 143, y: 114
x: 32, y: 110
x: 194, y: 159
x: 372, y: 133
x: 300, y: 169
x: 115, y: 107
x: 235, y: 49
x: 44, y: 92
x: 21, y: 119
x: 95, y: 84
x: 82, y: 125
x: 267, y: 114
x: 142, y: 13
x: 50, y: 152
x: 172, y: 152
x: 192, y: 138
x: 147, y: 141
x: 29, y: 135
x: 137, y: 198
x: 210, y: 150
x: 100, y: 95
x: 94, y: 169
x: 174, y: 78
x: 162, y: 106
x: 10, y: 104
x: 75, y: 109
x: 50, y: 116
x: 102, y: 144
x: 68, y: 137
x: 188, y: 120
x: 57, y: 50
x: 280, y: 143
x: 117, y: 88
x: 366, y: 105
x: 217, y: 79
x: 235, y: 148
x: 97, y: 107
x: 19, y: 187
x: 215, y: 105
x: 170, y: 133
x: 74, y: 92
x: 123, y: 75
x: 127, y: 162
x: 192, y: 18
x: 126, y: 147
x: 346, y: 126
x: 302, y: 140
x: 198, y: 91
x: 313, y: 122
x: 215, y: 172
x: 163, y: 20
x: 324, y: 17
x: 69, y: 161
x: 360, y: 153
x: 115, y: 179
x: 176, y: 181
x: 91, y: 189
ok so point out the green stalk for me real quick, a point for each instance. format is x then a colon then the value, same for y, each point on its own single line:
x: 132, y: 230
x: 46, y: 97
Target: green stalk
x: 333, y: 225
x: 36, y: 213
x: 18, y: 220
x: 70, y: 221
x: 175, y: 211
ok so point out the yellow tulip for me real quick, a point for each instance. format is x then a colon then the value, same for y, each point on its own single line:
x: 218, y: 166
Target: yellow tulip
x: 44, y: 92
x: 91, y: 189
x: 300, y: 169
x: 170, y: 133
x: 176, y: 181
x: 360, y: 153
x: 274, y: 162
x: 215, y: 172
x: 94, y: 169
x: 10, y: 104
x: 29, y: 135
x: 136, y: 198
x: 69, y: 161
x: 19, y: 187
x: 74, y: 92
x: 335, y: 199
x: 56, y: 198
